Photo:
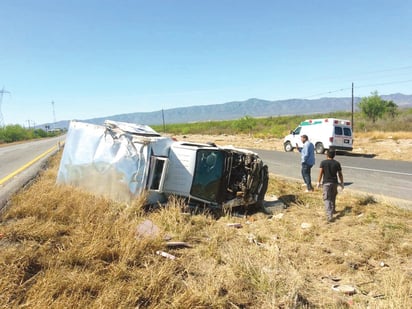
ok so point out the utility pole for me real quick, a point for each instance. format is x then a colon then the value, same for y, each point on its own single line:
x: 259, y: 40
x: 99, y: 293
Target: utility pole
x: 54, y: 115
x: 352, y: 111
x: 2, y: 91
x: 164, y: 126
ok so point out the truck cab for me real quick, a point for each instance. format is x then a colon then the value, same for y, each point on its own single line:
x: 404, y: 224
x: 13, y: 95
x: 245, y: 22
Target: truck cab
x: 220, y: 177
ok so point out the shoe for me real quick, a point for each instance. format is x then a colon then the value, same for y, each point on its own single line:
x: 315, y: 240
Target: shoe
x: 308, y: 190
x: 330, y: 219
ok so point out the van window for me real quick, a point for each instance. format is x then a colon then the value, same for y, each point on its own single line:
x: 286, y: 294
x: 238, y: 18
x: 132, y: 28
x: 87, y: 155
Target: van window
x: 338, y: 131
x: 297, y: 130
x: 347, y: 131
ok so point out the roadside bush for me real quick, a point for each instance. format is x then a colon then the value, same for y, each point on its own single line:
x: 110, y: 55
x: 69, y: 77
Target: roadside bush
x: 13, y: 133
x: 40, y: 133
x: 245, y: 125
x: 16, y: 133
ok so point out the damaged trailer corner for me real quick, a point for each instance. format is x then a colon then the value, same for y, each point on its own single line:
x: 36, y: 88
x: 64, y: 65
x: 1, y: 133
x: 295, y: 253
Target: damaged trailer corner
x: 122, y: 160
x: 110, y: 160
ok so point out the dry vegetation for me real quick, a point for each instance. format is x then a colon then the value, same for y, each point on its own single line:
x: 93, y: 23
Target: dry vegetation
x: 63, y: 248
x: 380, y: 145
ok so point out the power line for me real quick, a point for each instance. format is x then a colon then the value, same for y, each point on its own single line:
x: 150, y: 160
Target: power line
x: 387, y: 83
x: 361, y: 75
x: 324, y: 93
x: 390, y: 70
x: 358, y: 87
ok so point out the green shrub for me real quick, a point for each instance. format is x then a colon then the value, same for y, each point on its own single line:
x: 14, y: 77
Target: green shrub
x: 16, y: 133
x: 13, y: 133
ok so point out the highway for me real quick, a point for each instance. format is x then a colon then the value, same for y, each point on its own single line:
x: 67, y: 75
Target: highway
x: 385, y: 179
x: 20, y: 162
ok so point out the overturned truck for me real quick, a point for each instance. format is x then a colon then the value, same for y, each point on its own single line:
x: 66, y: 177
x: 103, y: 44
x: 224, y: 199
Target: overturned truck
x: 122, y: 161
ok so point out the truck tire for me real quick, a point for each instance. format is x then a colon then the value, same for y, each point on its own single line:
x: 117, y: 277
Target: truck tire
x: 264, y: 179
x: 319, y: 148
x: 288, y: 147
x: 264, y: 182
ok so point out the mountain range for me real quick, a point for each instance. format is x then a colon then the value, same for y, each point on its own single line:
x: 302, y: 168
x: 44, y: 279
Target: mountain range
x: 239, y: 109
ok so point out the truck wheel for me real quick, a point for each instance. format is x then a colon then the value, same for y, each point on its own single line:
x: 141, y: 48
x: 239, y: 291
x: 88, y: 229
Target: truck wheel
x: 263, y: 187
x: 288, y: 146
x: 264, y: 179
x: 319, y: 148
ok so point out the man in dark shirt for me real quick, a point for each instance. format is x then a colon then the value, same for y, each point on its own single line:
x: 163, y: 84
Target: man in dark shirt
x: 330, y: 170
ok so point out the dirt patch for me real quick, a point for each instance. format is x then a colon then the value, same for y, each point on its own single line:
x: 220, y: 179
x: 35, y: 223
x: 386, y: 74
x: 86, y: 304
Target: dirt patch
x: 385, y: 146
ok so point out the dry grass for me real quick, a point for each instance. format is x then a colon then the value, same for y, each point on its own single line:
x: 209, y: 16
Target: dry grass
x: 380, y: 145
x: 63, y: 248
x: 385, y: 135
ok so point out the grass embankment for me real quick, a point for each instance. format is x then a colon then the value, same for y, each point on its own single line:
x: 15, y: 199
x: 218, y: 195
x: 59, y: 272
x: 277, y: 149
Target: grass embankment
x: 63, y: 248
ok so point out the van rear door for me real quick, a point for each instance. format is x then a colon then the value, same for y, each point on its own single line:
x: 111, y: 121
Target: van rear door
x: 342, y: 137
x: 338, y: 136
x: 347, y: 137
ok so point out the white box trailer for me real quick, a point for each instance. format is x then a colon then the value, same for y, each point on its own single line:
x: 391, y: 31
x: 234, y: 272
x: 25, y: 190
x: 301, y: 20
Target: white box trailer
x: 122, y: 161
x: 325, y: 133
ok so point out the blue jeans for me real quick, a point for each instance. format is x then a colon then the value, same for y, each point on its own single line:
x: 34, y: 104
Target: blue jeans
x: 306, y: 176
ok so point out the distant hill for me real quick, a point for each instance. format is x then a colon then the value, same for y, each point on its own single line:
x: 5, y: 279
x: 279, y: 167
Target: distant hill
x: 238, y: 109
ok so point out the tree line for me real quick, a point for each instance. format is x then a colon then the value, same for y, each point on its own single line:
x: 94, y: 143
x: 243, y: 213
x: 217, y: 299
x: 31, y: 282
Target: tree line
x: 15, y: 133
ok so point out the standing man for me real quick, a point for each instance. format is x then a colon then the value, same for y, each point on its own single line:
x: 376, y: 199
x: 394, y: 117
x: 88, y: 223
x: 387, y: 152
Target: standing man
x: 330, y: 170
x: 308, y: 160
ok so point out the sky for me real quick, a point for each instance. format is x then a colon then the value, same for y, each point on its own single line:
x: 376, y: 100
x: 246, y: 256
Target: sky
x: 82, y: 59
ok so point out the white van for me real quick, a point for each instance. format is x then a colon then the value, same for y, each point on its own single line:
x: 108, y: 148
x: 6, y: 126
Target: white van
x: 327, y: 133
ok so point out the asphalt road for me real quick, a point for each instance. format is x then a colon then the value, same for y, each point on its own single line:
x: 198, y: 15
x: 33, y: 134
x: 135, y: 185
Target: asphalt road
x: 384, y: 179
x: 19, y: 163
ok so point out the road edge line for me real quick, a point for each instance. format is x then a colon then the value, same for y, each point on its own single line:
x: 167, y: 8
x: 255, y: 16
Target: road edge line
x: 19, y: 170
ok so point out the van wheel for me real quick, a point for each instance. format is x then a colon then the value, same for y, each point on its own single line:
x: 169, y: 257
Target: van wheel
x: 288, y: 146
x: 319, y: 148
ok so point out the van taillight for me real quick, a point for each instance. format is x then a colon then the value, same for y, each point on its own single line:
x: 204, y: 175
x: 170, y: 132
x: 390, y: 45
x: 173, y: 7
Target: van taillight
x: 331, y: 139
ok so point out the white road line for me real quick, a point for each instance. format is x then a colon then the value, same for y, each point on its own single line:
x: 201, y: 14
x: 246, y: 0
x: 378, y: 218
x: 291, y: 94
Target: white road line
x: 379, y: 171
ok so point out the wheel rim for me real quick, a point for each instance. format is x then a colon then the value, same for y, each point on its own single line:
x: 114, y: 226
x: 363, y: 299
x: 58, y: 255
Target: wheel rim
x: 288, y: 147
